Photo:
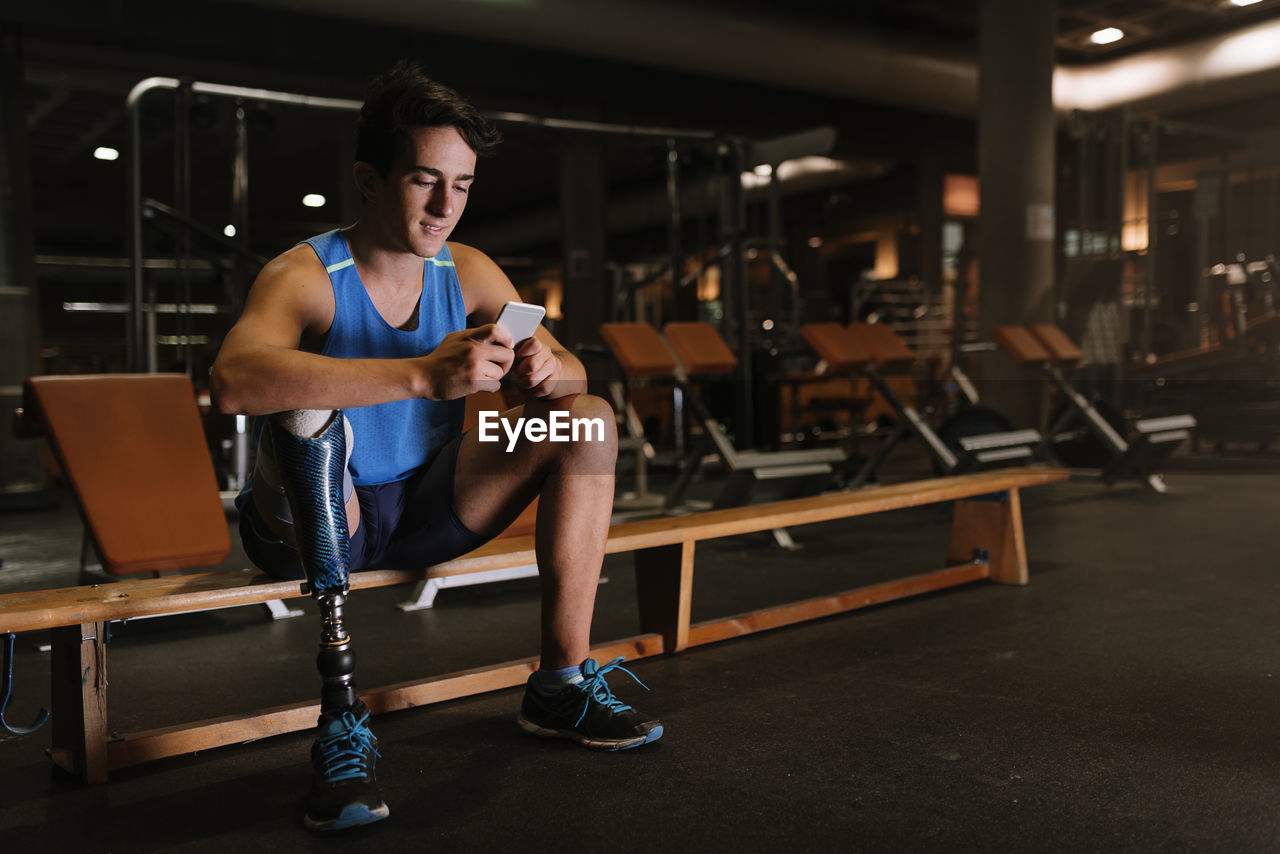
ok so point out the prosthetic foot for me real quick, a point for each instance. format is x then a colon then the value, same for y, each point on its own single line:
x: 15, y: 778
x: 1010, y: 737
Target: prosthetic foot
x: 310, y: 451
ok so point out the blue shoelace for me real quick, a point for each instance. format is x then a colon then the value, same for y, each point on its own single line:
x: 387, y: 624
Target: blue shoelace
x: 343, y: 752
x: 596, y: 688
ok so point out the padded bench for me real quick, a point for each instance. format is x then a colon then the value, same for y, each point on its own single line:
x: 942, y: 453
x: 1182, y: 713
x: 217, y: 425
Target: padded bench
x: 986, y: 542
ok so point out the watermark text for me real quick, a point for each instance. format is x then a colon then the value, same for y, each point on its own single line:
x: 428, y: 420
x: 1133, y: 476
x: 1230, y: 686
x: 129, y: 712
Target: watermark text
x: 560, y: 427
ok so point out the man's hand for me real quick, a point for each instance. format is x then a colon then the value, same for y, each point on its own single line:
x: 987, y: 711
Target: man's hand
x: 536, y: 368
x: 467, y: 361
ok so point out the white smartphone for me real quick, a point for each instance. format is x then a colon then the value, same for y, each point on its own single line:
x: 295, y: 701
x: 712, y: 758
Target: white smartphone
x: 521, y: 319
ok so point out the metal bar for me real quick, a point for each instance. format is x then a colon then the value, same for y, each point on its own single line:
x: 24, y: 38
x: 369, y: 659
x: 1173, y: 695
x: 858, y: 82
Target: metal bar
x: 158, y: 308
x: 190, y: 224
x: 912, y: 420
x: 296, y: 99
x: 676, y: 261
x: 1149, y: 279
x: 599, y: 127
x: 182, y: 194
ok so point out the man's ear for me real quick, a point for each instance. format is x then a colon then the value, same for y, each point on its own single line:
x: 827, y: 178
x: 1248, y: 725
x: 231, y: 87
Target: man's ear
x: 368, y: 181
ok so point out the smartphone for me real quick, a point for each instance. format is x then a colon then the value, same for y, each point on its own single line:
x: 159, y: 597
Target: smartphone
x: 520, y: 319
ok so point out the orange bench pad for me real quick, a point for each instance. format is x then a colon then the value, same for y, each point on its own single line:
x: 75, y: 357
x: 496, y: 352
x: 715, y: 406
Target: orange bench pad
x: 836, y: 346
x: 639, y: 349
x: 885, y: 345
x: 700, y: 348
x: 1022, y: 346
x: 1062, y: 350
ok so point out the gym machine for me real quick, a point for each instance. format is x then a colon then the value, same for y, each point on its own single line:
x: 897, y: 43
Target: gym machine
x: 696, y: 350
x: 1084, y: 434
x: 875, y: 351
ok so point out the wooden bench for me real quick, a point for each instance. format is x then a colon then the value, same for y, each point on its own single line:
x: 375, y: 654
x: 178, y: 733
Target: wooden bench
x: 986, y: 542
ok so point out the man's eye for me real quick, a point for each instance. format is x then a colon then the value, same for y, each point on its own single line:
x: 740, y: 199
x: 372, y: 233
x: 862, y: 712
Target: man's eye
x: 463, y: 189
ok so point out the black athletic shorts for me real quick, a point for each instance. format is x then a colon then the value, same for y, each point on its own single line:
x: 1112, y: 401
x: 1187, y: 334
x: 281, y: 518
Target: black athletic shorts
x: 406, y: 524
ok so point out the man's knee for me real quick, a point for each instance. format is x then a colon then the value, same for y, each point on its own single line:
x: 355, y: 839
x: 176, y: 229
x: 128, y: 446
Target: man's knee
x: 595, y: 416
x: 585, y: 425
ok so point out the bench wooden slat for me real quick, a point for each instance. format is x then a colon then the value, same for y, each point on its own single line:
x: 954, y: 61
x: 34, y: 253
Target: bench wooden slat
x: 41, y: 609
x: 133, y: 748
x: 711, y: 631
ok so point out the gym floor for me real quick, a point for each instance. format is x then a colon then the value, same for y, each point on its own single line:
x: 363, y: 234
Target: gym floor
x: 1126, y: 699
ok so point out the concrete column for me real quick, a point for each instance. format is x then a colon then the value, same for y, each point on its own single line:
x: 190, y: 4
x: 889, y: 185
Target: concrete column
x: 21, y: 467
x: 1016, y: 159
x: 582, y: 210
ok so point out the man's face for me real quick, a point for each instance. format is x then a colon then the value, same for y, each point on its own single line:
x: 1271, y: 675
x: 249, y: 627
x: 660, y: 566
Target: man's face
x: 426, y: 189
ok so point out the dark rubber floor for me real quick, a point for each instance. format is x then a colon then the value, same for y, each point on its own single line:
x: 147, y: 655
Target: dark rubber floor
x: 1126, y: 700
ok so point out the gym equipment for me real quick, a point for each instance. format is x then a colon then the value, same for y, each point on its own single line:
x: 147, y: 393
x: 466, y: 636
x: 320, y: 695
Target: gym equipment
x: 697, y: 350
x: 1089, y: 434
x: 132, y: 448
x: 975, y: 439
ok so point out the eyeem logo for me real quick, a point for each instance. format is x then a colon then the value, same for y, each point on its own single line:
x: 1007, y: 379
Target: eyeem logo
x: 560, y: 428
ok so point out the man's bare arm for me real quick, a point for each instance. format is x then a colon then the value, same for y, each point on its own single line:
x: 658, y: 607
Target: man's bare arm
x: 261, y: 369
x: 543, y: 367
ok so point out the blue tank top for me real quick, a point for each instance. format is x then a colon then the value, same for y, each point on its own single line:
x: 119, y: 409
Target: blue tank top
x: 394, y: 439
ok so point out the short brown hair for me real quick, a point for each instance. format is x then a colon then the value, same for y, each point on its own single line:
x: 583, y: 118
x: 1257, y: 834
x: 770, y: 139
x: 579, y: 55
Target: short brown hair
x: 403, y: 98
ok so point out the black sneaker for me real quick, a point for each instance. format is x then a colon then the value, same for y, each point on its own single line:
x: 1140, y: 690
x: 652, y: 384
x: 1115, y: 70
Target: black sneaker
x: 587, y: 712
x: 344, y: 790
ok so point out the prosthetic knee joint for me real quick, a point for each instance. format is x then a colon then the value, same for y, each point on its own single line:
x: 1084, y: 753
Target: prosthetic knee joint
x: 310, y: 449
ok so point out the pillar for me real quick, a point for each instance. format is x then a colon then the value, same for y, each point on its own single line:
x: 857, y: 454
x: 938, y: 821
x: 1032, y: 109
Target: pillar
x: 1016, y: 158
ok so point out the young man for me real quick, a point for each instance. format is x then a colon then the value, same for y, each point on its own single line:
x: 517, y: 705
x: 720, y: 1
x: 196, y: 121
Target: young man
x: 359, y: 346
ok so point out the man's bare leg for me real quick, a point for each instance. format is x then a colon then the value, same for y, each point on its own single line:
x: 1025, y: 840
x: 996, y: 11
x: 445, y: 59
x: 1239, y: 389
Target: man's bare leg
x: 574, y: 482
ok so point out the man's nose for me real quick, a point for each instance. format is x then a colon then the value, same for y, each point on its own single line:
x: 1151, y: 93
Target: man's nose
x: 440, y: 203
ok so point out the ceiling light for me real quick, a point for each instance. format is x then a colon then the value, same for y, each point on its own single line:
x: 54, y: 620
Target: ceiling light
x: 1107, y: 35
x: 313, y: 200
x: 229, y: 231
x: 104, y: 153
x: 1243, y: 2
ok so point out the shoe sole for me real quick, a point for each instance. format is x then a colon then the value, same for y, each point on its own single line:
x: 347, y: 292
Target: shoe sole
x: 609, y: 744
x: 352, y: 815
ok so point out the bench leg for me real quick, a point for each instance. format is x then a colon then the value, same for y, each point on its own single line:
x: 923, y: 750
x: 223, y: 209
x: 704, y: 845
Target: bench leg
x: 664, y: 591
x: 79, y: 667
x: 992, y: 523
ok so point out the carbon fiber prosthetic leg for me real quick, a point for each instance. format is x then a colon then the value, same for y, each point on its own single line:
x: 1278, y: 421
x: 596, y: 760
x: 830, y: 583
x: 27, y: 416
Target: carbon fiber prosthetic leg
x: 311, y: 472
x: 311, y: 454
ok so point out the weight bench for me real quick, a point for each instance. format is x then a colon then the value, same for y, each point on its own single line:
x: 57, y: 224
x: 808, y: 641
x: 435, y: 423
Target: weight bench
x: 986, y: 542
x: 875, y: 351
x: 1080, y: 423
x: 133, y: 450
x: 696, y: 350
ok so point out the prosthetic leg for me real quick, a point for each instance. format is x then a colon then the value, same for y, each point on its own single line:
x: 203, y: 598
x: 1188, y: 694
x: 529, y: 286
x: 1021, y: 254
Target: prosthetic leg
x: 310, y: 452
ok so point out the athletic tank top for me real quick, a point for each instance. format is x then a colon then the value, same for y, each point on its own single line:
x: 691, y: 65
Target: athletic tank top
x: 394, y: 439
